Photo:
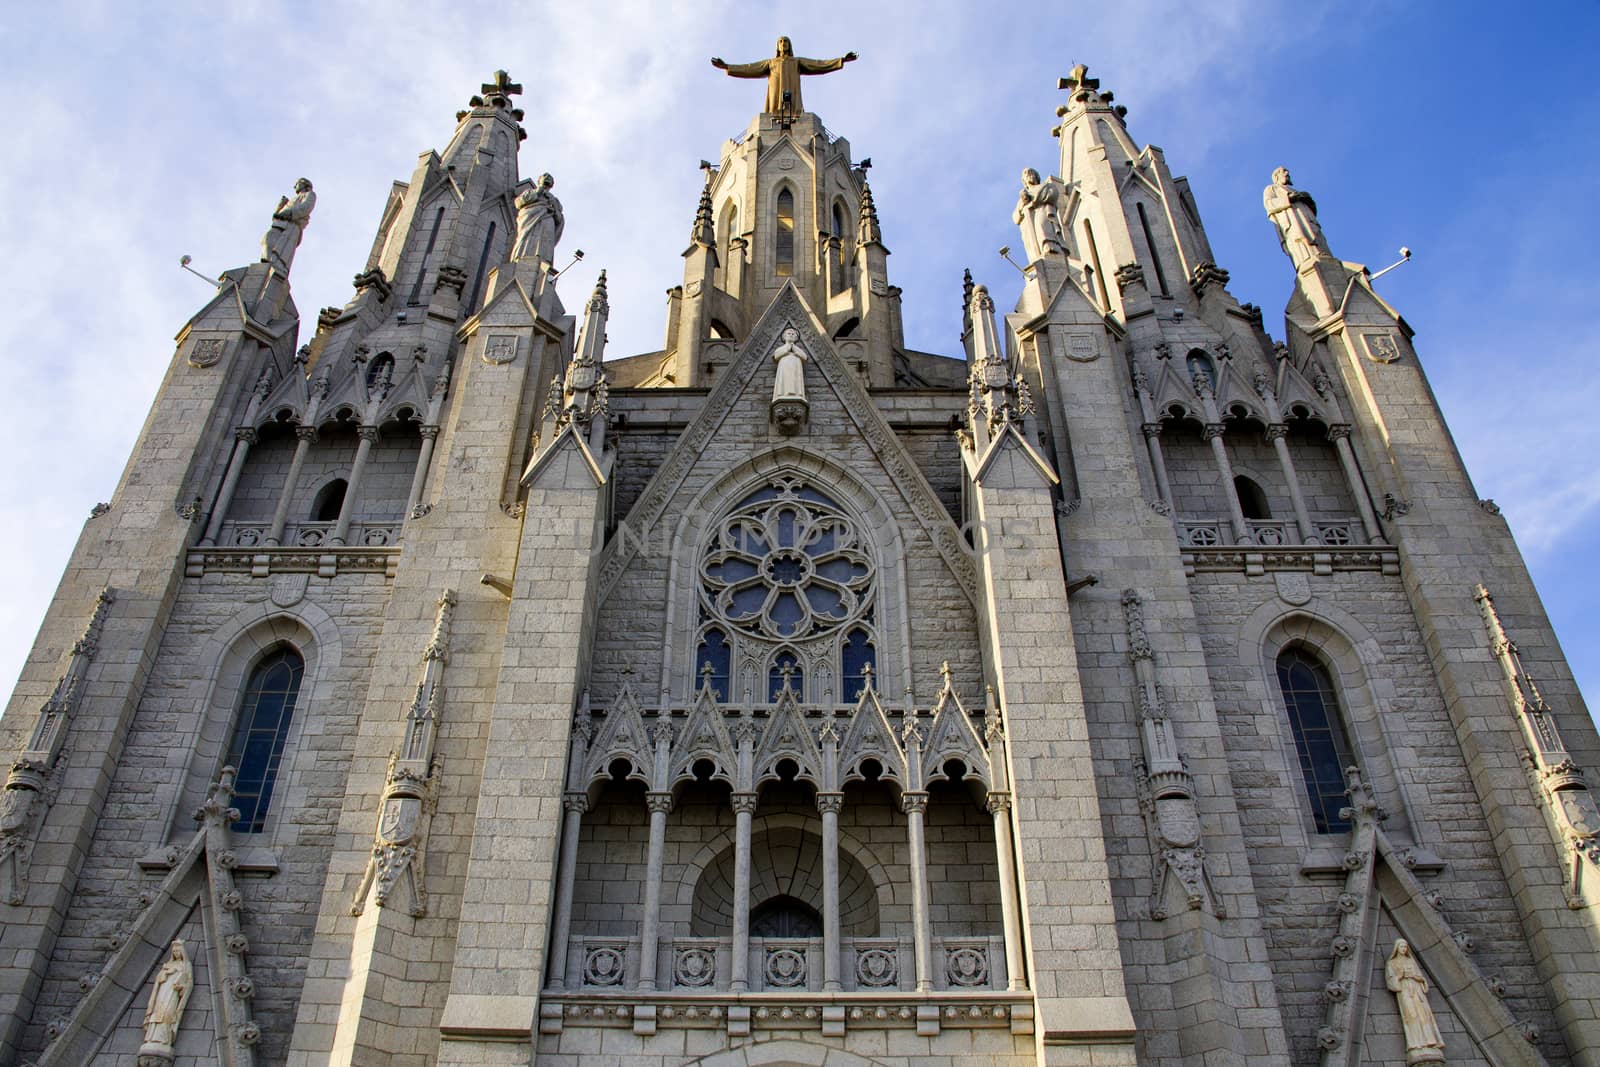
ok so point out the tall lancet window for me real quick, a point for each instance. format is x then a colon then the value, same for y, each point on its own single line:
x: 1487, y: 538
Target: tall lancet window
x: 260, y: 733
x: 783, y: 247
x: 837, y: 251
x: 1319, y: 737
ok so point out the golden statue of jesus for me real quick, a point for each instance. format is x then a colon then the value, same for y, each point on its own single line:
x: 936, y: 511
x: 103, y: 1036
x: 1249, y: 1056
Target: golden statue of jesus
x: 783, y: 73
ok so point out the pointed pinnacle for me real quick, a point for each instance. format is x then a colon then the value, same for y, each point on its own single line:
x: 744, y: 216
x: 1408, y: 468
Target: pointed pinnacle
x: 870, y: 232
x: 704, y: 231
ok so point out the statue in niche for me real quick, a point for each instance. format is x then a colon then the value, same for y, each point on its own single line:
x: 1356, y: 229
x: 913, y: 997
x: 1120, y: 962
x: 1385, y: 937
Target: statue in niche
x: 170, y: 995
x: 1038, y: 213
x: 1403, y: 975
x: 540, y: 222
x: 289, y: 222
x: 783, y: 72
x: 1294, y: 213
x: 789, y: 406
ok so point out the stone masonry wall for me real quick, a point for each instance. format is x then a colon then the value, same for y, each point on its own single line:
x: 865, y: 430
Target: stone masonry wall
x: 140, y: 813
x: 1299, y: 910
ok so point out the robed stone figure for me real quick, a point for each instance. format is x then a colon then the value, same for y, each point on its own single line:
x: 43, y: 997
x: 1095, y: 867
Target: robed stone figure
x: 1294, y: 213
x: 540, y: 222
x: 169, y: 996
x: 783, y: 73
x: 289, y: 222
x: 1038, y: 213
x: 1403, y: 975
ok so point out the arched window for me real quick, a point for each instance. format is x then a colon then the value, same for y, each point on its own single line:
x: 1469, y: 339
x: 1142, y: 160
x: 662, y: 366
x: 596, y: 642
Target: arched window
x: 1099, y: 279
x: 1252, y: 501
x: 783, y: 247
x: 329, y: 502
x: 1319, y: 737
x: 715, y: 651
x: 785, y: 667
x: 837, y: 250
x: 725, y: 234
x: 260, y: 732
x: 856, y: 655
x: 1150, y: 243
x: 785, y: 916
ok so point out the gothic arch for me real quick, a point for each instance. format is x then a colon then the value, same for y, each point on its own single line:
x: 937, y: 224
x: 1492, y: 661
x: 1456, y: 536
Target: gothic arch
x: 1354, y: 659
x: 880, y: 537
x: 852, y: 850
x: 785, y: 861
x: 231, y: 652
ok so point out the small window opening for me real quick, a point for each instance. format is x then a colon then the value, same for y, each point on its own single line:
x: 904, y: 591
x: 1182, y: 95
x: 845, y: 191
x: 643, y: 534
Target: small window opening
x: 785, y: 916
x: 785, y: 665
x: 1200, y: 363
x: 330, y: 501
x: 715, y: 651
x: 1252, y: 501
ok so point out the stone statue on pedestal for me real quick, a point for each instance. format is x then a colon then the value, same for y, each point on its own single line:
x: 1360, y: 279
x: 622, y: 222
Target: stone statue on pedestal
x: 289, y: 222
x: 1404, y: 977
x: 170, y: 995
x: 1038, y: 213
x: 783, y: 73
x: 789, y: 405
x: 1294, y: 213
x: 540, y: 222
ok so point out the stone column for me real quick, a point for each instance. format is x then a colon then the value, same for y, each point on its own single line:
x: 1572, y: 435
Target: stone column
x: 915, y: 806
x: 1241, y: 529
x: 307, y: 436
x: 575, y: 805
x: 649, y: 927
x: 744, y: 806
x: 1340, y: 436
x: 244, y: 437
x: 352, y: 489
x: 999, y: 805
x: 830, y: 804
x: 420, y: 479
x: 1158, y: 461
x: 1278, y: 433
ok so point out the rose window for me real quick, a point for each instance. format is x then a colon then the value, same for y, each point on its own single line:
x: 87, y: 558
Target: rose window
x: 786, y: 563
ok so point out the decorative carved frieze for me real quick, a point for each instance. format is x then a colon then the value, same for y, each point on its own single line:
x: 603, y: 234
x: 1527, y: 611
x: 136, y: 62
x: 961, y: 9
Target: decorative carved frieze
x: 31, y: 785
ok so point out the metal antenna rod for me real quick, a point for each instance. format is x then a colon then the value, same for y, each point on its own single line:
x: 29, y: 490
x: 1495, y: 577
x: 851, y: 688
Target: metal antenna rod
x: 1405, y: 257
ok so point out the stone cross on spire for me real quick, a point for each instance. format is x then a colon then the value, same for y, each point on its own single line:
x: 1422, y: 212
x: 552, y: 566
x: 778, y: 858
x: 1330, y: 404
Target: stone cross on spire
x: 783, y: 73
x: 498, y: 93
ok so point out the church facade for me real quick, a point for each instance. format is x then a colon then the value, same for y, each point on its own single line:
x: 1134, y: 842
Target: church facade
x: 1129, y: 687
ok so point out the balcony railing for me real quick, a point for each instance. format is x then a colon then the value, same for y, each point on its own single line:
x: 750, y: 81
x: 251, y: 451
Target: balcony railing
x: 1269, y: 533
x: 369, y: 534
x: 598, y: 963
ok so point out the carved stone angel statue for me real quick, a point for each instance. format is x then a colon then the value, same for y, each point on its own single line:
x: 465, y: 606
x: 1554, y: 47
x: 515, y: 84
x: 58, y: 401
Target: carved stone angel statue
x: 289, y: 222
x: 1039, y: 215
x: 1404, y: 977
x: 540, y: 222
x: 1294, y: 213
x: 170, y: 995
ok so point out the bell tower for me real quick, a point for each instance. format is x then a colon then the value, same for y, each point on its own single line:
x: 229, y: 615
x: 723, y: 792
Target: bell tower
x: 784, y: 205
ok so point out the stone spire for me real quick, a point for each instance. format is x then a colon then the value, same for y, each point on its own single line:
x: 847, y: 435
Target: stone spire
x: 704, y: 231
x: 869, y: 230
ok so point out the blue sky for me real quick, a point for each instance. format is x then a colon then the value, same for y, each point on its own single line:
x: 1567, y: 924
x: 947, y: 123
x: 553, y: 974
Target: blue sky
x: 1466, y: 134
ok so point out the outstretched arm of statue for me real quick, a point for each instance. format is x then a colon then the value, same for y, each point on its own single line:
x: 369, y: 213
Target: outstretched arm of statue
x: 824, y: 66
x: 758, y: 69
